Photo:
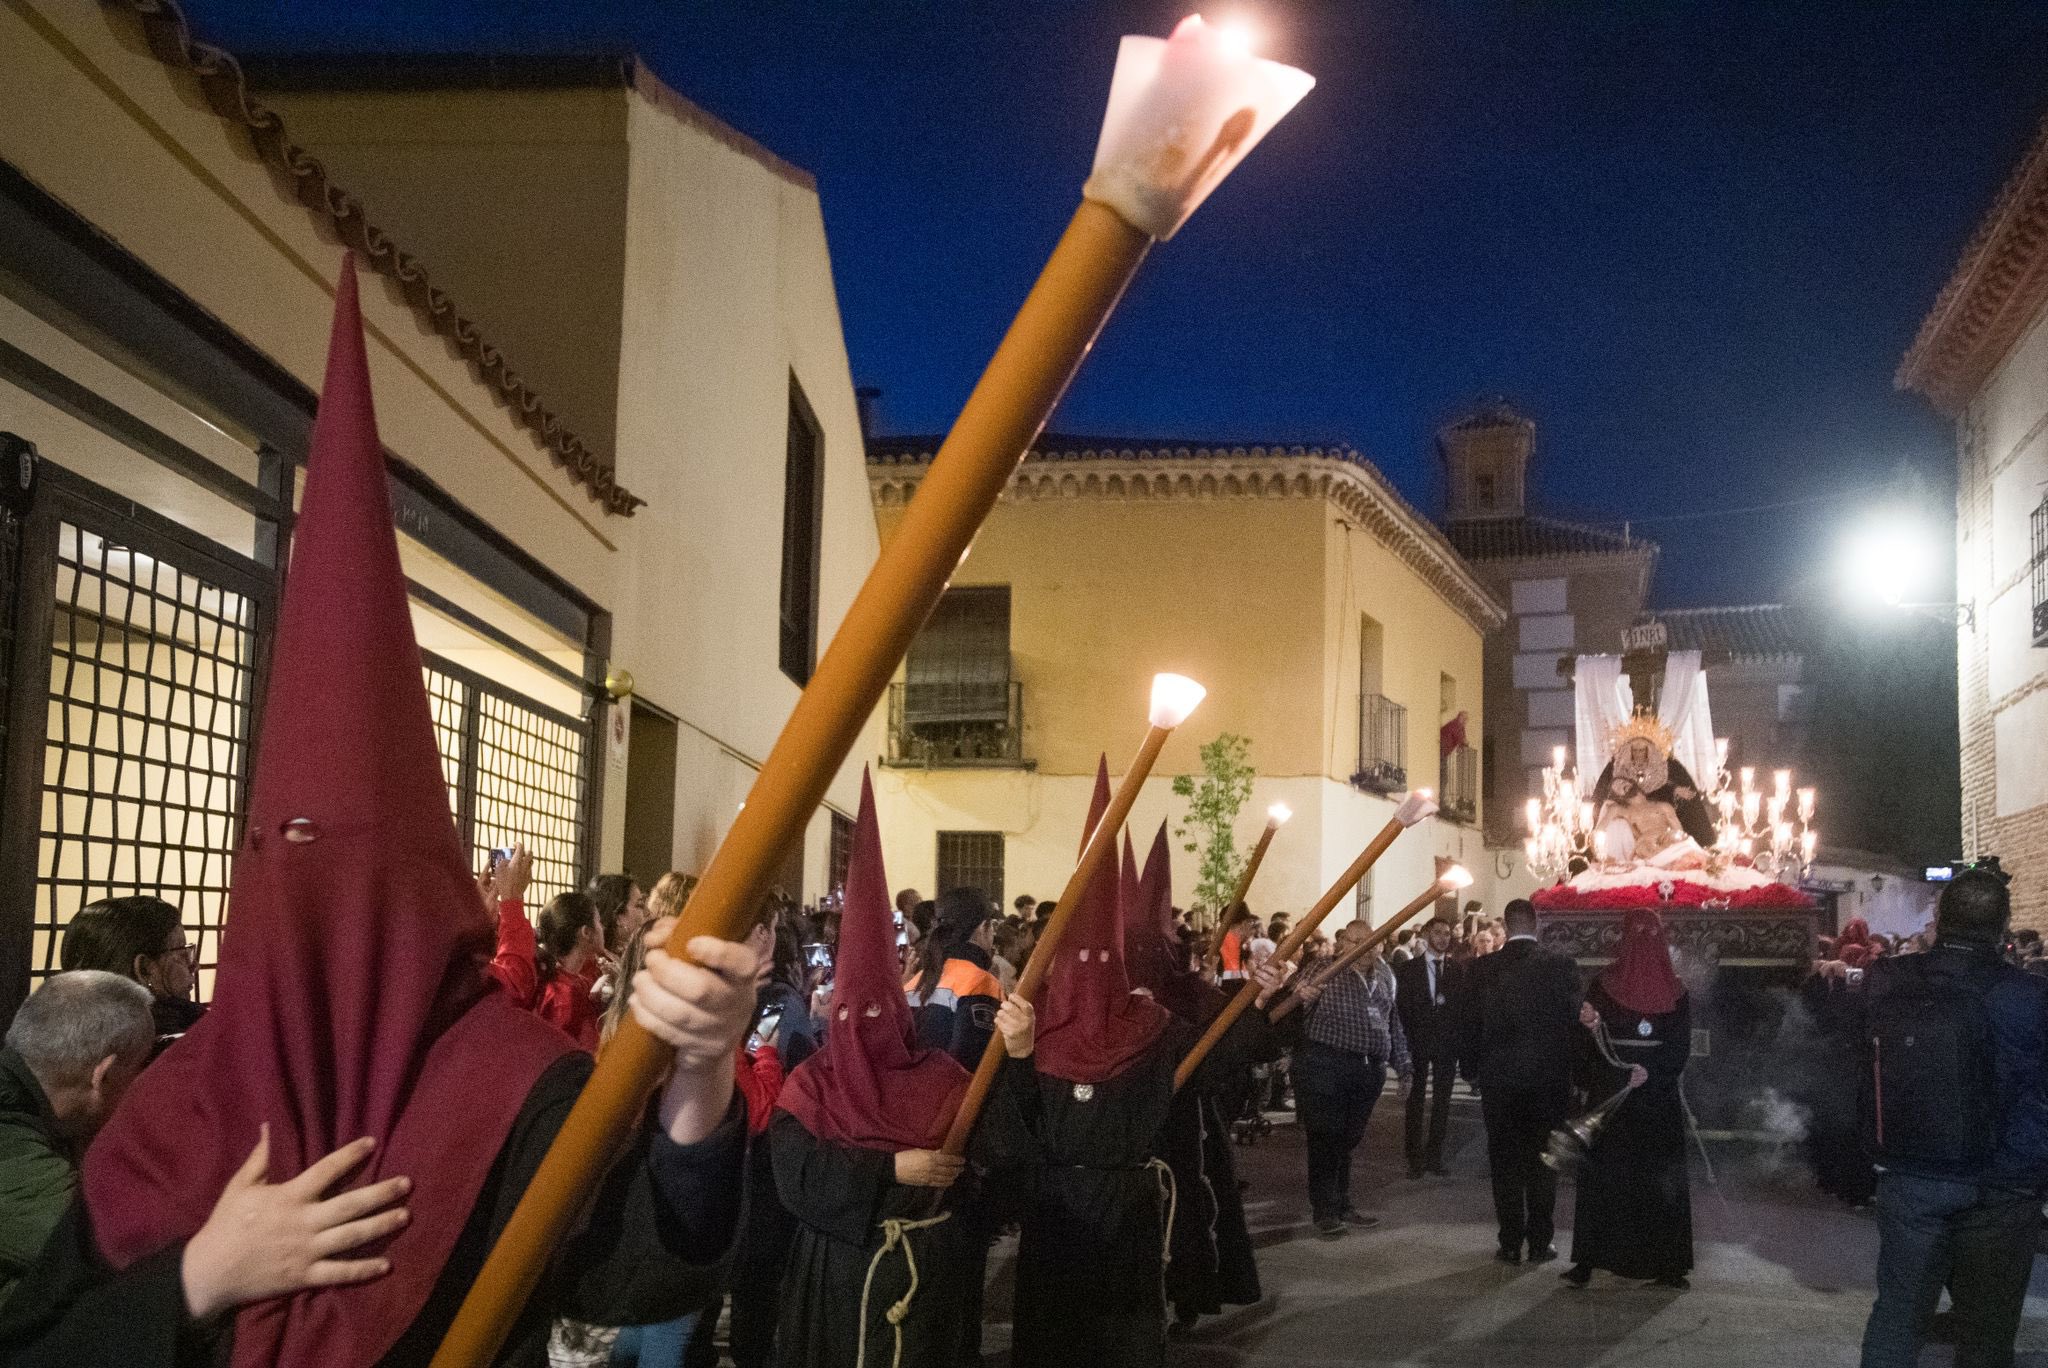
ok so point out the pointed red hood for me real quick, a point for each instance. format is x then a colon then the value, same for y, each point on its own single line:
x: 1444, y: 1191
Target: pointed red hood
x: 352, y: 997
x: 1641, y: 978
x: 1090, y: 1025
x: 1153, y: 946
x: 872, y: 1085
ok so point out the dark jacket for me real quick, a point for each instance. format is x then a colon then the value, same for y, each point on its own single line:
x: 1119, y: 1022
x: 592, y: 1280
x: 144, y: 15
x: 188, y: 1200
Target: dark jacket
x: 1520, y: 1019
x: 38, y: 1171
x: 2016, y: 1008
x: 1432, y: 1030
x: 961, y: 1014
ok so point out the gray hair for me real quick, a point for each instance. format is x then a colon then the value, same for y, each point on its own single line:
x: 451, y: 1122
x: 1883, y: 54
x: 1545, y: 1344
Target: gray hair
x: 76, y: 1019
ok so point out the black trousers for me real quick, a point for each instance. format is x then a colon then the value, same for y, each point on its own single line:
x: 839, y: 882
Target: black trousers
x: 1334, y: 1093
x: 1429, y: 1109
x: 1518, y: 1122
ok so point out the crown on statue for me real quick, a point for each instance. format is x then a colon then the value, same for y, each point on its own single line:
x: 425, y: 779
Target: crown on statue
x: 1644, y: 726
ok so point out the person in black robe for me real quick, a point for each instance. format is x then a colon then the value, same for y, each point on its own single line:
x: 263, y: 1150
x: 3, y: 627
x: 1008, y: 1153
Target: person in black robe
x: 1211, y: 1263
x: 887, y: 1261
x: 1633, y: 1215
x: 1090, y: 1261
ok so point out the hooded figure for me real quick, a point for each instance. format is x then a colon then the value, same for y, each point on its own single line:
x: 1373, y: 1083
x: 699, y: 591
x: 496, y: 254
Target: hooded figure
x: 353, y: 999
x: 886, y: 1267
x: 1633, y: 1215
x: 1089, y: 1285
x: 1212, y: 1263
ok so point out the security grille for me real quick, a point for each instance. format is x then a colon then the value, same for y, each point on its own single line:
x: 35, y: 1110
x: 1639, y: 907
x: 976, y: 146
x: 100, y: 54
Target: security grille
x: 1382, y: 744
x: 2038, y: 573
x: 517, y: 773
x: 150, y: 684
x: 841, y: 853
x: 972, y: 859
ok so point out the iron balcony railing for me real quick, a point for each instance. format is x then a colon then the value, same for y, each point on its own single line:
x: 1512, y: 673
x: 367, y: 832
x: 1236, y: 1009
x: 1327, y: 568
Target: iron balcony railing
x: 1460, y: 790
x: 2038, y: 573
x: 956, y: 724
x: 1382, y: 744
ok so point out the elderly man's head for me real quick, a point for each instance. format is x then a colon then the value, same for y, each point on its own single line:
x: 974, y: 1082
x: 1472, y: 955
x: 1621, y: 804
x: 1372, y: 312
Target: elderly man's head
x: 85, y: 1035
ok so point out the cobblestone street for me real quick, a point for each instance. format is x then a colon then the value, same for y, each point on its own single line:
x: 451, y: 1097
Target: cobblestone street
x: 1783, y: 1276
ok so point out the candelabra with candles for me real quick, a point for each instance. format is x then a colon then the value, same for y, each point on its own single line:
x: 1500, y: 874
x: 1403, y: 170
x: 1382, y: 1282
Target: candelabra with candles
x: 1561, y: 839
x: 1773, y: 831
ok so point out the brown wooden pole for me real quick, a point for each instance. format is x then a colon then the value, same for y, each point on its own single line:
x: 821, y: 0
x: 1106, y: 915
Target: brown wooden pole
x: 1074, y: 295
x: 1426, y: 898
x: 1244, y: 884
x: 1094, y: 855
x: 1297, y: 937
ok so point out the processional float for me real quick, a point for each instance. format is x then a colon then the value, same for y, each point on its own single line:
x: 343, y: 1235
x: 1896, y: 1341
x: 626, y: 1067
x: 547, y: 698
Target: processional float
x: 1182, y: 113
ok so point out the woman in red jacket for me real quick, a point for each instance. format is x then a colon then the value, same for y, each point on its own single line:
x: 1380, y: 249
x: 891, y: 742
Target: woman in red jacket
x: 567, y: 964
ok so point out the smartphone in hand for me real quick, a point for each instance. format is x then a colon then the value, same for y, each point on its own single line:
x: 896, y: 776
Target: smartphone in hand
x: 764, y: 1029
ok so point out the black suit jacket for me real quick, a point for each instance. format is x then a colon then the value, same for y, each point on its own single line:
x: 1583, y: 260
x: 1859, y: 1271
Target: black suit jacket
x: 1432, y: 1030
x: 1521, y: 1019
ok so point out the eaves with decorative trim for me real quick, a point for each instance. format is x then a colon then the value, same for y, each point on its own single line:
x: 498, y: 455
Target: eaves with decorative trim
x: 1059, y: 469
x: 1996, y: 292
x: 220, y: 80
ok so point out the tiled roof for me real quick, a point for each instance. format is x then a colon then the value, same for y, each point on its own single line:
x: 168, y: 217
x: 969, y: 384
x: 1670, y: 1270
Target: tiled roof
x: 1754, y: 631
x: 1997, y: 289
x: 1529, y: 537
x: 226, y: 92
x: 1173, y: 467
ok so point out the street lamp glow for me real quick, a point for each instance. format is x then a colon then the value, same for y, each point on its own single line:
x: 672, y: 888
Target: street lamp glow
x: 1454, y: 878
x: 1173, y: 698
x: 1889, y: 562
x: 1277, y: 815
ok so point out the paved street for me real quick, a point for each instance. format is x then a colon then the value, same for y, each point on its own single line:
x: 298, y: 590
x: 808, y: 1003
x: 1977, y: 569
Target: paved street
x: 1782, y: 1277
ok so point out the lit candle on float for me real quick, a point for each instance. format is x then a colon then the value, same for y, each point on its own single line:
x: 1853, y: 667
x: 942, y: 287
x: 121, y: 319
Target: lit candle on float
x: 1534, y: 813
x: 1807, y: 798
x: 1748, y: 779
x: 1752, y: 805
x: 1557, y: 758
x: 1585, y: 816
x: 1809, y: 844
x: 1747, y: 847
x: 1781, y: 781
x: 1721, y: 752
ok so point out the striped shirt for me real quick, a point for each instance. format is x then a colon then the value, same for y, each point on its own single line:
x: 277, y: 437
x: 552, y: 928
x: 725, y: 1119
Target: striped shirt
x: 1356, y: 1013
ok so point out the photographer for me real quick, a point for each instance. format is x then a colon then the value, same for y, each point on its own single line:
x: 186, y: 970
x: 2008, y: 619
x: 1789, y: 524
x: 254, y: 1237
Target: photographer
x: 1956, y: 1103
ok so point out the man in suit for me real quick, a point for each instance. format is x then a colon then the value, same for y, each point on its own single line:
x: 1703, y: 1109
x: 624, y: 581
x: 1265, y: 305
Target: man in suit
x: 1521, y: 1019
x: 1428, y: 1003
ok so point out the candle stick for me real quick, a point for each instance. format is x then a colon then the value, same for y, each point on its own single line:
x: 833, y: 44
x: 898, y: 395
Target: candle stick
x: 1807, y: 797
x: 1748, y: 780
x: 1534, y: 813
x: 1173, y: 698
x: 1417, y: 805
x: 1557, y: 758
x: 1809, y: 845
x: 1450, y: 881
x: 1182, y: 113
x: 1721, y: 752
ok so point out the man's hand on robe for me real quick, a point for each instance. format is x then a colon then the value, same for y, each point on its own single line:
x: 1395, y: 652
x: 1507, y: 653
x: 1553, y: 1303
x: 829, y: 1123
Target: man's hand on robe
x: 1017, y: 1024
x: 267, y: 1240
x: 702, y: 1006
x: 928, y: 1168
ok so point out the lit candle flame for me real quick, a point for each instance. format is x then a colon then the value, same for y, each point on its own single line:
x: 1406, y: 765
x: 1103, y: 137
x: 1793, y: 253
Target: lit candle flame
x: 1455, y: 877
x: 1277, y: 815
x: 1173, y: 698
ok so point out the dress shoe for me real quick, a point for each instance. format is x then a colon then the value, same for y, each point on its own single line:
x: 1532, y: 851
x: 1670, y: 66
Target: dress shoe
x: 1544, y: 1255
x: 1328, y: 1226
x: 1352, y: 1216
x: 1508, y: 1256
x: 1578, y: 1275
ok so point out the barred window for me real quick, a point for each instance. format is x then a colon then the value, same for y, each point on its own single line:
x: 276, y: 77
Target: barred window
x: 972, y: 859
x: 841, y: 853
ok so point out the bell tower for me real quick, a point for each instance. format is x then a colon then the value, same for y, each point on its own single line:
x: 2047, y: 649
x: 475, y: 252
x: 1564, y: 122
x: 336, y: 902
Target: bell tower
x: 1486, y: 462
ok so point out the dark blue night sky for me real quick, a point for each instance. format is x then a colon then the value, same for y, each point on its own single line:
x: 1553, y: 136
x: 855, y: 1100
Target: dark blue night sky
x: 1692, y: 240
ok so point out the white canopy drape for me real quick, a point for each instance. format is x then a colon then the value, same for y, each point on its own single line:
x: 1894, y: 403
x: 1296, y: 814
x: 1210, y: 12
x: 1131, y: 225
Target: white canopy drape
x: 1604, y: 699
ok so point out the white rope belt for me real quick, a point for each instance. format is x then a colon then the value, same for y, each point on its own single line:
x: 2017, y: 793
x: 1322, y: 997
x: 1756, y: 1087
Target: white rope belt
x: 1169, y: 1194
x: 895, y: 1235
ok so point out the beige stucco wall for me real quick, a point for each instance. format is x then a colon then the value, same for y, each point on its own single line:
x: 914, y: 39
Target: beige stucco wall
x: 2002, y: 467
x: 726, y: 288
x: 728, y: 292
x: 1244, y: 594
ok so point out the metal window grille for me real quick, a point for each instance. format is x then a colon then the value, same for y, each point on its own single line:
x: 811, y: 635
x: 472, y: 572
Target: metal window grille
x: 1460, y: 785
x: 143, y: 757
x: 517, y: 772
x: 2038, y: 572
x: 841, y: 853
x: 1382, y: 744
x: 972, y: 859
x: 958, y: 706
